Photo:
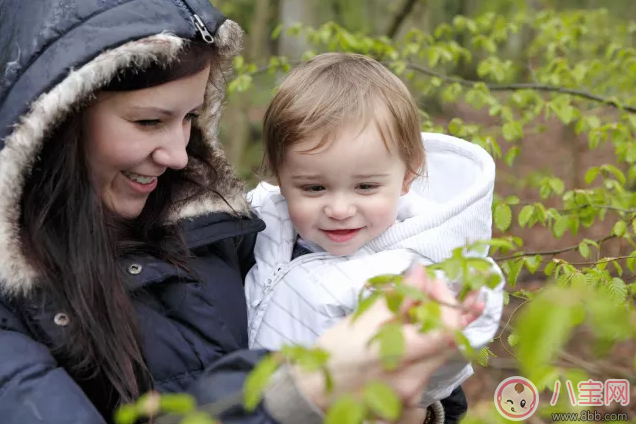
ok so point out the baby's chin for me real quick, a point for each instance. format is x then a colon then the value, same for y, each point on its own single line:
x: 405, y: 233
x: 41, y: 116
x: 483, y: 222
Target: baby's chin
x: 344, y: 250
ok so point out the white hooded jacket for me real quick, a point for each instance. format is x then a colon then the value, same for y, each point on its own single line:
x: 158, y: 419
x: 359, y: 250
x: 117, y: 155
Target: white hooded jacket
x: 295, y: 301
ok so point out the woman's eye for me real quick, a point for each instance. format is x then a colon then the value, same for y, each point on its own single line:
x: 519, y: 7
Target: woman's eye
x: 313, y: 188
x: 148, y: 122
x: 191, y: 116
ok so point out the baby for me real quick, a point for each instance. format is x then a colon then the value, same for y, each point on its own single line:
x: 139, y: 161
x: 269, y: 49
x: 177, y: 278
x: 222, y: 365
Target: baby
x: 360, y: 192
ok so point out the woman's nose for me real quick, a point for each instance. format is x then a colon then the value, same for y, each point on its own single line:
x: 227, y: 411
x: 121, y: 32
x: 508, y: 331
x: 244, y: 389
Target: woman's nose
x: 172, y: 151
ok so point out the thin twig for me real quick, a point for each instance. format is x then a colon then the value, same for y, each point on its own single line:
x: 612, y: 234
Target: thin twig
x: 597, y: 368
x: 523, y: 86
x: 610, y: 101
x: 510, y: 319
x: 549, y: 252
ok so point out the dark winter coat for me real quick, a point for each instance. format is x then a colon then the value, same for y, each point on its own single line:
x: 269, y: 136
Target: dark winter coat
x: 54, y: 54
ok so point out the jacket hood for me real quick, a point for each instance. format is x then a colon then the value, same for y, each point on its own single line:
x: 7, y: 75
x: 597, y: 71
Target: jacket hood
x: 447, y: 207
x: 55, y: 54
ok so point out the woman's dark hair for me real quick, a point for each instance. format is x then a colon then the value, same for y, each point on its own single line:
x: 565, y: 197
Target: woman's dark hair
x: 74, y: 242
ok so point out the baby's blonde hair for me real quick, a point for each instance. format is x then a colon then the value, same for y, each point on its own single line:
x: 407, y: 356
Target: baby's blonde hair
x: 330, y: 90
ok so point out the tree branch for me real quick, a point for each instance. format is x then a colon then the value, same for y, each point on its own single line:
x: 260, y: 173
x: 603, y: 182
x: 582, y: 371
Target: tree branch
x: 583, y: 206
x: 550, y: 252
x: 610, y: 101
x: 399, y: 19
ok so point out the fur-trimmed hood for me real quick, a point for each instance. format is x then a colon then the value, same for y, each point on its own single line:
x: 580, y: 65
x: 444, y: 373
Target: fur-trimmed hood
x: 57, y: 53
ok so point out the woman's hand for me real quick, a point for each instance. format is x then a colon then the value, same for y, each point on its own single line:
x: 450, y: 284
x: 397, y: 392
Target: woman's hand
x: 353, y: 362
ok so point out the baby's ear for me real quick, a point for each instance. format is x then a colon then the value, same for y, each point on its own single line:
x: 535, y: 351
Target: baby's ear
x: 409, y: 177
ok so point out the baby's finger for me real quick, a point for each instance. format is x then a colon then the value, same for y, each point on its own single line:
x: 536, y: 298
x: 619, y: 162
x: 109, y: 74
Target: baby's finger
x: 472, y: 308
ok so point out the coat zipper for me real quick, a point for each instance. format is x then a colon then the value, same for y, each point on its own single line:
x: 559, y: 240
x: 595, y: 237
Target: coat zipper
x: 196, y: 20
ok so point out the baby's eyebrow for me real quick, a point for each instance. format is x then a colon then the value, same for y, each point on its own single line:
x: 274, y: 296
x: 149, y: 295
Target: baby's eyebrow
x: 364, y: 176
x: 305, y: 177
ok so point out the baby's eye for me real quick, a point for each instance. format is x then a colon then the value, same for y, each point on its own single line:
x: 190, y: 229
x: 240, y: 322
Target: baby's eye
x: 367, y: 187
x: 313, y: 188
x: 523, y: 403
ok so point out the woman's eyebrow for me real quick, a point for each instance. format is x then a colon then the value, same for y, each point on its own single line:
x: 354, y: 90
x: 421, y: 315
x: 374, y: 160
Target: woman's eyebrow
x: 158, y: 110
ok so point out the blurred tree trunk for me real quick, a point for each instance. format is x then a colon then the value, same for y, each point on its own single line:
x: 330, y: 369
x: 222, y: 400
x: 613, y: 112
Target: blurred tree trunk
x: 400, y: 18
x: 257, y: 50
x: 292, y: 12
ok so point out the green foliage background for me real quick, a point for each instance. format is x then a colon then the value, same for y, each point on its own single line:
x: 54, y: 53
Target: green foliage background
x: 524, y: 63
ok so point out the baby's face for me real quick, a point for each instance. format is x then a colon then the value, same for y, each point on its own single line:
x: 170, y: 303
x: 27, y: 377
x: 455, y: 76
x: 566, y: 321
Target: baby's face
x: 345, y: 194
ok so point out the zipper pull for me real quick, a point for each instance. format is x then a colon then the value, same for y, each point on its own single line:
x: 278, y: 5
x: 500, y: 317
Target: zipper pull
x: 200, y: 26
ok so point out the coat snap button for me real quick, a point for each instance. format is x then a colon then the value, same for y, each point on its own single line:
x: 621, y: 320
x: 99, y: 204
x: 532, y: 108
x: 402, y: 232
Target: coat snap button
x: 134, y: 269
x: 61, y: 319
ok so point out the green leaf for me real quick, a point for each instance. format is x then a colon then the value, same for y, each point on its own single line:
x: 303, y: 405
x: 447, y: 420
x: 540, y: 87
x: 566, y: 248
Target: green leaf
x: 556, y: 185
x: 483, y: 356
x: 543, y: 327
x: 525, y: 215
x: 381, y: 399
x: 565, y: 113
x: 619, y: 229
x: 533, y: 263
x: 513, y: 268
x: 463, y: 344
x: 310, y: 359
x: 428, y: 315
x: 382, y: 280
x: 549, y: 268
x: 433, y: 57
x: 617, y: 289
x: 257, y: 380
x: 277, y: 31
x: 511, y: 155
x: 631, y: 261
x: 561, y: 226
x: 503, y: 216
x: 198, y: 418
x: 366, y: 303
x: 591, y: 174
x: 545, y: 377
x: 512, y: 131
x: 513, y: 339
x: 512, y: 200
x: 584, y: 249
x: 394, y: 300
x: 177, y: 403
x: 346, y: 410
x: 391, y: 342
x: 619, y: 268
x: 126, y: 414
x: 617, y: 173
x: 506, y: 298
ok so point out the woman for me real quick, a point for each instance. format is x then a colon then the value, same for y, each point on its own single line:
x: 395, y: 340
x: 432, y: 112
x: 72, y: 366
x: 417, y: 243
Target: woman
x: 125, y: 235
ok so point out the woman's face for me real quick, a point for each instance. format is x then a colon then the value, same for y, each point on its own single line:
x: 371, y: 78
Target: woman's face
x: 133, y: 137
